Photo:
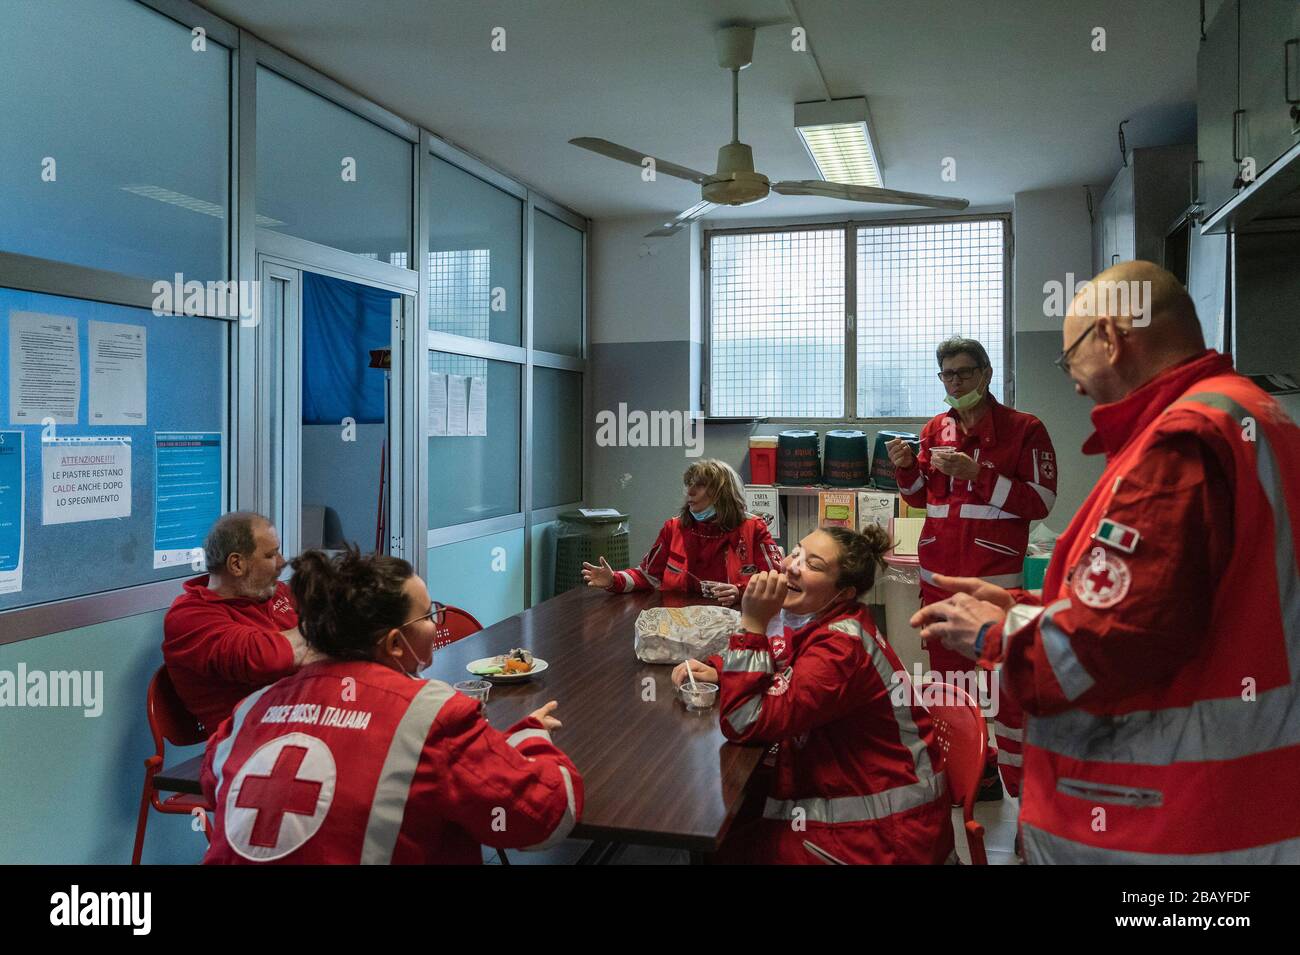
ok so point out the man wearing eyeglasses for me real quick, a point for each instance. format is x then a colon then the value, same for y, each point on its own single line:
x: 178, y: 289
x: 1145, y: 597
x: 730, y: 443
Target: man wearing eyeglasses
x: 1160, y: 676
x: 984, y: 471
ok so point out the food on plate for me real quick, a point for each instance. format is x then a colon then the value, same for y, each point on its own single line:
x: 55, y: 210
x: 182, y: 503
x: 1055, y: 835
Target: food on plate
x: 509, y: 663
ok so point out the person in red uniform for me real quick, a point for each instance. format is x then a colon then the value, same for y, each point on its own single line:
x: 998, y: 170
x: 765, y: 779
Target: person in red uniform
x: 234, y: 629
x: 858, y: 772
x: 355, y: 759
x: 1161, y: 674
x: 984, y: 472
x: 710, y: 549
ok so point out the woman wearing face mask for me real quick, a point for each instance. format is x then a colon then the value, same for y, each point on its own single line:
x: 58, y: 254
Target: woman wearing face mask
x: 858, y: 772
x: 710, y: 549
x: 984, y: 472
x: 355, y: 759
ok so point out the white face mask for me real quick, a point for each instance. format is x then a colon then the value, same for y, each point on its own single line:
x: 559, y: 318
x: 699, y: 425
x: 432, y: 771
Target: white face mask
x: 786, y: 620
x: 419, y: 664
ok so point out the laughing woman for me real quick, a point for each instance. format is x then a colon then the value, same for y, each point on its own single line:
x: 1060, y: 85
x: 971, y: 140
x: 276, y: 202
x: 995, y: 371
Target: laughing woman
x: 710, y: 549
x: 857, y: 763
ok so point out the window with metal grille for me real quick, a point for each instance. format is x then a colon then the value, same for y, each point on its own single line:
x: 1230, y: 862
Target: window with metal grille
x: 776, y: 337
x: 778, y: 330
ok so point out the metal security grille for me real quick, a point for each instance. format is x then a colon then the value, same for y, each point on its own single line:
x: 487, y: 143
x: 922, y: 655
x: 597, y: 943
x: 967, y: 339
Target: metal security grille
x: 460, y: 292
x: 917, y: 285
x: 776, y: 340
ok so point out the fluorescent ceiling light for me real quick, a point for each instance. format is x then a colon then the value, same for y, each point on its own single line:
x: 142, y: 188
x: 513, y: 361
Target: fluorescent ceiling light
x: 190, y: 202
x: 837, y: 135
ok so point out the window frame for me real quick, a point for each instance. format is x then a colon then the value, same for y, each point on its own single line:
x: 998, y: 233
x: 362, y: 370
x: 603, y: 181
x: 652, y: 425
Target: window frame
x: 850, y: 228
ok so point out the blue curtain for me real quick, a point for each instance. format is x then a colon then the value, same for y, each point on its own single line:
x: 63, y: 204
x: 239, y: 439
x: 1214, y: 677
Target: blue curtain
x: 341, y: 323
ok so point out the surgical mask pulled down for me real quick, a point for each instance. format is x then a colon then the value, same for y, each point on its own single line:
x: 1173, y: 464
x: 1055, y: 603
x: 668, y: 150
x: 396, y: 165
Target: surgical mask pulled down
x: 793, y: 621
x: 965, y: 402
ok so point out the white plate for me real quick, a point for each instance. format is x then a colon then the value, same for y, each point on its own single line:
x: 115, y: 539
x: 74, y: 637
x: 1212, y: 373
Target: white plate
x: 539, y: 665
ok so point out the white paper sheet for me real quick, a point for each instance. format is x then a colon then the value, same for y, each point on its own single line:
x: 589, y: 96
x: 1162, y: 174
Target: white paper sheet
x: 457, y: 405
x: 119, y: 373
x: 44, y: 368
x: 437, y: 404
x: 477, y: 423
x: 85, y: 479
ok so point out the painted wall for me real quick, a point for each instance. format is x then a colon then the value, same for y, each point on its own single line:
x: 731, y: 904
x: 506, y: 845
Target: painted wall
x: 645, y: 328
x: 1053, y: 237
x: 475, y: 576
x: 71, y: 783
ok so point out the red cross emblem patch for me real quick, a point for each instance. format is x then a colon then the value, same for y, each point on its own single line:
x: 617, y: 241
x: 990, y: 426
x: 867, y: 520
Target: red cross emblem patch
x: 1101, y: 579
x: 1047, y: 465
x: 280, y: 796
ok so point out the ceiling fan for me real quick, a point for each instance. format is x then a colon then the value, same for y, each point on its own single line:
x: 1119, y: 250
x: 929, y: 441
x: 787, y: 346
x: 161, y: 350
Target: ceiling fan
x: 736, y: 183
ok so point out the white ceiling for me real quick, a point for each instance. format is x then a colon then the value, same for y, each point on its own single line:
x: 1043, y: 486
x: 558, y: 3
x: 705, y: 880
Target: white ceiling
x: 1011, y: 89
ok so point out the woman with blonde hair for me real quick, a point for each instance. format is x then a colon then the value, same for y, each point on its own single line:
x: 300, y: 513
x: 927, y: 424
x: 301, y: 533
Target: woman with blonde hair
x: 710, y: 549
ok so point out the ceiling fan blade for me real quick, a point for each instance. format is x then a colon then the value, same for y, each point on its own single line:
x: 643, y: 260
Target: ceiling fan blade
x: 674, y: 226
x: 841, y: 190
x: 635, y: 158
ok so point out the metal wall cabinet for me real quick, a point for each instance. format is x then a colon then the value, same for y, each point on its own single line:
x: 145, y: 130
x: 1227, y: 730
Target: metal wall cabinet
x: 1216, y: 110
x: 1146, y: 197
x: 1269, y: 75
x: 1265, y: 289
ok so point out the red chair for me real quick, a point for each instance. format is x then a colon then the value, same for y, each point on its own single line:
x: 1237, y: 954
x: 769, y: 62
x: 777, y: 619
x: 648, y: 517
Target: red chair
x: 456, y: 625
x: 963, y: 735
x: 168, y: 721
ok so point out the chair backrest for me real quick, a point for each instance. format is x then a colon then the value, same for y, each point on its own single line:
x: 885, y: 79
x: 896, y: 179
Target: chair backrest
x: 963, y: 736
x: 168, y: 717
x: 457, y: 625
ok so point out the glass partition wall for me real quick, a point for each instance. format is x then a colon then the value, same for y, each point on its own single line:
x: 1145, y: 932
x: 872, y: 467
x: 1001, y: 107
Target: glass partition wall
x: 283, y: 172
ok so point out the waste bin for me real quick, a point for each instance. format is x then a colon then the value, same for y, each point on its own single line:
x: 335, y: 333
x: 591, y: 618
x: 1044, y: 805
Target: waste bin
x: 902, y: 595
x: 583, y: 537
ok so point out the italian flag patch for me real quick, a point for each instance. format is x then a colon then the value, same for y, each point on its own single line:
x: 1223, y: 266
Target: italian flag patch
x: 1117, y: 535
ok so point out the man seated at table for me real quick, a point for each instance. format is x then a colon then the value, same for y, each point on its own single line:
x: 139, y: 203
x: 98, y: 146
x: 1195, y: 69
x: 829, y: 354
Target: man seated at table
x: 235, y: 629
x: 859, y: 773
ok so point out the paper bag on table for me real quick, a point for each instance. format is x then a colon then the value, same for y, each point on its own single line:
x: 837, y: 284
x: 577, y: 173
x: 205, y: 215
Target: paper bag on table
x: 674, y: 634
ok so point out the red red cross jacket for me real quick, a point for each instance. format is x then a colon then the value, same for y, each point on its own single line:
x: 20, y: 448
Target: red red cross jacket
x: 683, y: 556
x: 353, y: 762
x: 220, y: 649
x: 1161, y: 682
x: 859, y: 772
x: 980, y: 528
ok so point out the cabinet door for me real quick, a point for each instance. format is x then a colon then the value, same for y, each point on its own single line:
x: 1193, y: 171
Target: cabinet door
x: 1124, y: 211
x: 1216, y: 101
x: 1207, y: 270
x: 1270, y: 62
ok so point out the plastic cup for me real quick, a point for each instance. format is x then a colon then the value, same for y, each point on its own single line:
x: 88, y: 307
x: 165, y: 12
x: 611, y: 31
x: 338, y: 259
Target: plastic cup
x: 700, y: 696
x: 476, y: 690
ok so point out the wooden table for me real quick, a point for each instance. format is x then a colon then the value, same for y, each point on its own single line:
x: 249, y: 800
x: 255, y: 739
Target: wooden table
x: 655, y: 773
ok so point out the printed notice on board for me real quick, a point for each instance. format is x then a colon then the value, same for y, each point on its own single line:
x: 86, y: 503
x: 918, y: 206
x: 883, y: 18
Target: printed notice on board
x: 187, y: 495
x: 477, y: 415
x: 44, y: 368
x: 457, y: 405
x: 87, y: 478
x: 437, y: 404
x: 12, y: 475
x: 764, y: 502
x: 118, y: 373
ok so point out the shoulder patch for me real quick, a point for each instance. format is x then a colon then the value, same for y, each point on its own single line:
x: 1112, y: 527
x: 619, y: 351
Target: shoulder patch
x: 1101, y: 579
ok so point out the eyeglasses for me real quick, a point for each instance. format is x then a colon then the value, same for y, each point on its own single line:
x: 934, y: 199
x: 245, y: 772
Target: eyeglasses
x: 437, y: 613
x: 958, y: 374
x: 1063, y: 362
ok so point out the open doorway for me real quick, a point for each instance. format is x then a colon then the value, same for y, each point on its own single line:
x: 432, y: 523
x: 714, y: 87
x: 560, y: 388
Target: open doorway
x: 346, y: 396
x: 331, y: 386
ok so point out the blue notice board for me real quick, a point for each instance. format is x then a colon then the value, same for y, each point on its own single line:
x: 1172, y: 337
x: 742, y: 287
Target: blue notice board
x: 11, y: 511
x: 187, y: 495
